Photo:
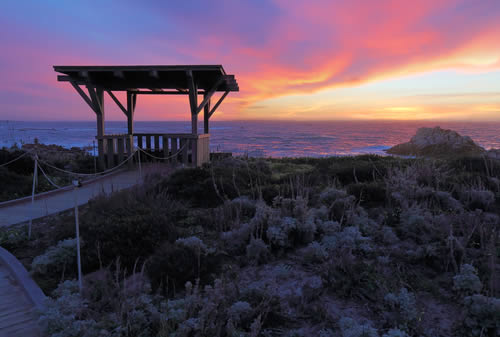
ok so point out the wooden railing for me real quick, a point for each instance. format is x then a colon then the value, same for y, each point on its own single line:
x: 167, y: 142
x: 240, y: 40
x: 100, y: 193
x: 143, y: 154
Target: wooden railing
x: 186, y: 148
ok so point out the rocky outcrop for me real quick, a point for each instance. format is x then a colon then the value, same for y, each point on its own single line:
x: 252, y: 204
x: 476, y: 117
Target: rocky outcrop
x: 437, y: 142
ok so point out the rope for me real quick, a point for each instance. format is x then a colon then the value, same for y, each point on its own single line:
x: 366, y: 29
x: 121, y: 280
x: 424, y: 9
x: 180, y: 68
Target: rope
x: 13, y: 160
x: 46, y: 177
x: 88, y: 174
x: 163, y: 158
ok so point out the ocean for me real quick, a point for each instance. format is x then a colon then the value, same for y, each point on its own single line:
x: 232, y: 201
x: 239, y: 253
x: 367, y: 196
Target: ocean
x: 259, y: 138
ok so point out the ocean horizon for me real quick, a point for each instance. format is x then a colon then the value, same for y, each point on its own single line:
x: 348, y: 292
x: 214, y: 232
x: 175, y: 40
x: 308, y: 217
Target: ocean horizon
x: 257, y: 138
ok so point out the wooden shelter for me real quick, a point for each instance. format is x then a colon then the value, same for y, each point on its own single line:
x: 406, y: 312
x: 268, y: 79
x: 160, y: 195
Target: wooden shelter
x: 192, y: 80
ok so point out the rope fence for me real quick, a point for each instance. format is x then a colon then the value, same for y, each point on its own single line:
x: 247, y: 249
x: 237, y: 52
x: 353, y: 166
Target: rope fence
x: 89, y: 174
x: 14, y: 160
x: 163, y: 158
x: 48, y: 179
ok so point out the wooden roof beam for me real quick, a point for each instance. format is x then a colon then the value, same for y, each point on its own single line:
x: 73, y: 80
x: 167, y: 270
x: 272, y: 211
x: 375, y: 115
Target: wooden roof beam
x: 119, y: 74
x: 154, y: 74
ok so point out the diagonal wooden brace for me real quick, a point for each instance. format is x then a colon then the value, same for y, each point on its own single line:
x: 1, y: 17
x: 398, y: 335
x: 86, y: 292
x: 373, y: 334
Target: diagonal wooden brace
x: 209, y: 95
x: 217, y: 104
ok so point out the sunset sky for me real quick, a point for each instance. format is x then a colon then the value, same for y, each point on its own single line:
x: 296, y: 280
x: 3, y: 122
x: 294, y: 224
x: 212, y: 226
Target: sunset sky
x: 293, y: 59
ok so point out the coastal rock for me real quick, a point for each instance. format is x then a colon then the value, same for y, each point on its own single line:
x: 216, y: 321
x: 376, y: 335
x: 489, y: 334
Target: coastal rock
x: 437, y: 142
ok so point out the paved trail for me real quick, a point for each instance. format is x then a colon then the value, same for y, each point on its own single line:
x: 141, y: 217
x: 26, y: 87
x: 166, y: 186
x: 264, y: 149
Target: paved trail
x: 58, y: 202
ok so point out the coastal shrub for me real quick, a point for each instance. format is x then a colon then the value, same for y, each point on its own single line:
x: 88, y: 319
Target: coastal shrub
x: 282, y: 234
x: 63, y: 315
x: 23, y: 166
x: 327, y: 227
x: 212, y: 311
x: 193, y: 185
x: 245, y: 205
x: 373, y: 193
x: 350, y: 277
x: 482, y: 316
x: 314, y: 253
x: 467, y: 282
x: 415, y: 224
x: 477, y: 199
x: 236, y: 240
x: 348, y: 240
x: 210, y: 186
x: 172, y: 265
x: 125, y: 226
x: 388, y: 236
x: 109, y: 306
x: 330, y: 195
x: 257, y: 252
x: 12, y: 238
x: 338, y: 203
x: 350, y: 328
x: 57, y: 260
x: 14, y: 185
x: 395, y: 333
x: 194, y: 243
x: 404, y: 309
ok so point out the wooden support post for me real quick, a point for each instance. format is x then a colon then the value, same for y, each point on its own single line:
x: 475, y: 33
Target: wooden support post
x: 111, y: 153
x: 194, y: 152
x: 193, y: 102
x: 139, y: 142
x: 173, y: 142
x: 120, y: 149
x: 129, y: 144
x: 131, y: 100
x: 206, y: 116
x: 97, y: 96
x: 184, y: 146
x: 165, y: 146
x: 148, y: 142
x: 157, y: 143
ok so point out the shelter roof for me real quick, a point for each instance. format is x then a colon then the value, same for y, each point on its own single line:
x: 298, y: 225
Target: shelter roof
x: 153, y: 77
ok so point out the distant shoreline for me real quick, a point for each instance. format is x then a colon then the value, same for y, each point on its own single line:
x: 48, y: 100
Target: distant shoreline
x: 275, y: 139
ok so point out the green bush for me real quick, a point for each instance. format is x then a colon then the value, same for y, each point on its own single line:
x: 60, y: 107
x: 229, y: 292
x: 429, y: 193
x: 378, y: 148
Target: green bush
x: 11, y: 239
x: 129, y: 225
x: 466, y: 281
x: 174, y: 264
x: 369, y: 192
x: 56, y: 259
x: 482, y: 316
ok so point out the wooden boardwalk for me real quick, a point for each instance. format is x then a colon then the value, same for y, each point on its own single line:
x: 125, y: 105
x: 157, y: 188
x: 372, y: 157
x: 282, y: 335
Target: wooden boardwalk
x: 21, y: 300
x: 18, y: 316
x: 52, y: 203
